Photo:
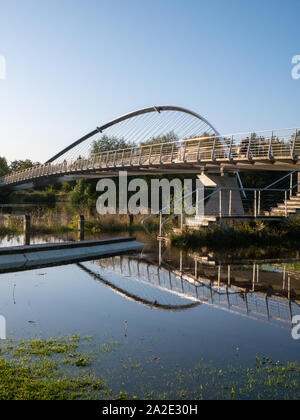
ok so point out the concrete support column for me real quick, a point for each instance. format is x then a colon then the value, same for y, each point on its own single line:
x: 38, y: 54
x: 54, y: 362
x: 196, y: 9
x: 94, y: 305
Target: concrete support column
x: 231, y: 201
x: 206, y: 209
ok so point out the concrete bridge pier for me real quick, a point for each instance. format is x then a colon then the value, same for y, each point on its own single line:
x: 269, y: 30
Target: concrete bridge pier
x: 223, y: 203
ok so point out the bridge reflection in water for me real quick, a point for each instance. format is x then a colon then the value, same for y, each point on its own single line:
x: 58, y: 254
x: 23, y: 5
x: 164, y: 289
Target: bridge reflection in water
x: 267, y: 293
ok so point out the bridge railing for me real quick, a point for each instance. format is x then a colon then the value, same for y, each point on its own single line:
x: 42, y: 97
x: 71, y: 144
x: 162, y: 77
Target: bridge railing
x: 224, y: 202
x: 266, y: 145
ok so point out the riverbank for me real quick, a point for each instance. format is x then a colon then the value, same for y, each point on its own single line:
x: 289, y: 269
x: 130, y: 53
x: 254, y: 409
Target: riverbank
x: 47, y: 224
x: 237, y: 235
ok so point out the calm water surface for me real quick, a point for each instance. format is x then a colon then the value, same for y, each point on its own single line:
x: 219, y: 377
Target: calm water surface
x: 190, y: 307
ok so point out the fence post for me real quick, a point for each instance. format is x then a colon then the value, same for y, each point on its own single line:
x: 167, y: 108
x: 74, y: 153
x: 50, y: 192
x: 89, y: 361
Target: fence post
x: 213, y: 157
x: 259, y: 203
x: 81, y: 227
x: 172, y: 153
x: 199, y: 151
x: 294, y: 146
x: 270, y: 153
x: 161, y: 150
x: 131, y: 220
x: 255, y: 204
x: 26, y: 224
x: 220, y: 204
x: 291, y: 186
x: 249, y: 148
x: 230, y: 203
x: 230, y: 149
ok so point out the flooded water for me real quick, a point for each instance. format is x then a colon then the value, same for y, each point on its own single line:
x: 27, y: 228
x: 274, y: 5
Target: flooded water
x: 162, y: 310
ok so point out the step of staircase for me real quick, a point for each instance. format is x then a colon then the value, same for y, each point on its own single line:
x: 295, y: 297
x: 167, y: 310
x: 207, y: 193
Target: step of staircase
x: 292, y: 207
x: 196, y: 222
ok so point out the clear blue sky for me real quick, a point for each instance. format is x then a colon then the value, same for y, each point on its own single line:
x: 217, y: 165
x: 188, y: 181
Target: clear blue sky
x: 74, y: 64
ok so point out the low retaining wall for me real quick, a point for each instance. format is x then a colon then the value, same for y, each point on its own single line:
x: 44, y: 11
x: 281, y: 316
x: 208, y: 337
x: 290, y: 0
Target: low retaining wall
x: 29, y: 257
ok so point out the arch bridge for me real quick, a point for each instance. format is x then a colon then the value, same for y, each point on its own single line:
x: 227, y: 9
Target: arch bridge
x: 164, y: 140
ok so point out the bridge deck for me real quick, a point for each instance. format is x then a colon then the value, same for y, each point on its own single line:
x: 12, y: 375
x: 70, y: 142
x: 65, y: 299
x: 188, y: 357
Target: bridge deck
x: 191, y: 155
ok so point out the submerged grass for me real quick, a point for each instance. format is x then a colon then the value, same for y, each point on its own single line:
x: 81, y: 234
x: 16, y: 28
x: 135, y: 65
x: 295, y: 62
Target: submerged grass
x: 56, y: 369
x: 34, y: 370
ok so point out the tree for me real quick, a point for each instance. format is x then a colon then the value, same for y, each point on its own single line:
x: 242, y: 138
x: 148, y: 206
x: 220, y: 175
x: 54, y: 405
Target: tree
x: 110, y: 143
x: 4, y: 169
x: 21, y: 165
x: 166, y: 138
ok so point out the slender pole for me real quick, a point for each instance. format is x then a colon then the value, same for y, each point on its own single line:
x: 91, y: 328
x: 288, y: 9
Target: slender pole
x: 229, y: 275
x: 181, y: 222
x: 220, y: 204
x: 160, y: 223
x: 253, y: 277
x: 230, y: 203
x: 255, y: 204
x: 284, y: 277
x: 285, y: 202
x: 259, y: 202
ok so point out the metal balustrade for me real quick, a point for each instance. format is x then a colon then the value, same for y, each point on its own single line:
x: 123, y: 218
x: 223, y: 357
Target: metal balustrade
x: 216, y: 287
x: 281, y: 145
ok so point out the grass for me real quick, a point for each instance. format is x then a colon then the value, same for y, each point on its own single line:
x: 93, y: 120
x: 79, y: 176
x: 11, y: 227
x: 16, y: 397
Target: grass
x: 35, y: 370
x: 29, y: 197
x: 55, y: 369
x: 45, y: 224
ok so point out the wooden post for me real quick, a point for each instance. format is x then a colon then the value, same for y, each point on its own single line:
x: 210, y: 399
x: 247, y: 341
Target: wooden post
x: 131, y: 220
x: 26, y: 224
x: 81, y: 227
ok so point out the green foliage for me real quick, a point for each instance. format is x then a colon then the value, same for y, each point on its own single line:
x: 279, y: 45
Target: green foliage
x: 33, y: 370
x: 166, y: 138
x: 109, y: 143
x: 82, y: 193
x: 4, y: 169
x: 237, y: 235
x: 21, y: 165
x: 29, y: 197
